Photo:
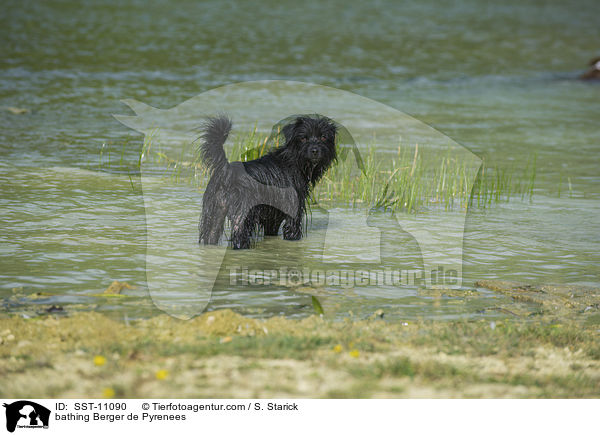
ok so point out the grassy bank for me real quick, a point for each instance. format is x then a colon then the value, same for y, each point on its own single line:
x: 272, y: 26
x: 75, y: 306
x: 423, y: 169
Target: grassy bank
x: 223, y: 354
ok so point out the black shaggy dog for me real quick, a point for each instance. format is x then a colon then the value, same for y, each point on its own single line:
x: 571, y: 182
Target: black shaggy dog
x: 263, y: 193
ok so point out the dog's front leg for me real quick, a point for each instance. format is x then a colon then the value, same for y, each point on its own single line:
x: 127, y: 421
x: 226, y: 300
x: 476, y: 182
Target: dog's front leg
x: 292, y: 229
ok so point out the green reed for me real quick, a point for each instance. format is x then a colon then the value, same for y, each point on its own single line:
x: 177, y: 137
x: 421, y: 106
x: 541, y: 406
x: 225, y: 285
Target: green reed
x: 412, y: 182
x: 408, y: 179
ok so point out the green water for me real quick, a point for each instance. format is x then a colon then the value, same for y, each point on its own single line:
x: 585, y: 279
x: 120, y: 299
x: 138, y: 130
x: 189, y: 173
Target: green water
x: 498, y: 79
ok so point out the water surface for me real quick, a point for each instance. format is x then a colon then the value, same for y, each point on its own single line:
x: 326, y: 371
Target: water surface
x: 498, y: 79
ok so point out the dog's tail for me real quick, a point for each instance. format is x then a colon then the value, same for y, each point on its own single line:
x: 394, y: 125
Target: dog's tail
x: 215, y: 132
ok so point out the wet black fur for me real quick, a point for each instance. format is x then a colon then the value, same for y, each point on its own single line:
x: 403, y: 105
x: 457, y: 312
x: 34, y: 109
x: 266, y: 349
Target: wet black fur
x: 268, y: 191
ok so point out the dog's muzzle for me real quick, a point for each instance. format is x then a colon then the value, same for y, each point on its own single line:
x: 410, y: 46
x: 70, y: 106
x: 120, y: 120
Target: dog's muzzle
x: 314, y: 153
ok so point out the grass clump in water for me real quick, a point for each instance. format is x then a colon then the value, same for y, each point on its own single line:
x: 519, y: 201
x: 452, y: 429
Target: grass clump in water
x: 413, y: 179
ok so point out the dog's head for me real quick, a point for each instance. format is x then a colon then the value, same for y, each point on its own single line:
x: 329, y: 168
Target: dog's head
x: 311, y: 141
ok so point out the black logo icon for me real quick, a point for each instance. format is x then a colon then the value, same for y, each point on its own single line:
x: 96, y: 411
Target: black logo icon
x: 26, y: 414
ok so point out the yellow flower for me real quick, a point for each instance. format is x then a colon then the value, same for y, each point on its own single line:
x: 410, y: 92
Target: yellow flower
x: 99, y: 360
x: 337, y: 348
x: 354, y: 353
x: 162, y: 374
x: 108, y: 393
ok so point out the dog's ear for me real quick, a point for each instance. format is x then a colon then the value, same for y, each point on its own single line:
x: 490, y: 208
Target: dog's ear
x: 335, y: 129
x: 289, y: 130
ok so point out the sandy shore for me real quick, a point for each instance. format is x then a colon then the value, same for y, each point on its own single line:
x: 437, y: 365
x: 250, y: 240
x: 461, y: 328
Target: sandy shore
x: 223, y: 354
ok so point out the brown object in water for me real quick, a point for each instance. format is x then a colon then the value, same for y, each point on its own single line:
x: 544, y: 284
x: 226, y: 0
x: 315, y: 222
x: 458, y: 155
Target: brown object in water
x: 594, y: 72
x: 116, y: 287
x: 17, y: 110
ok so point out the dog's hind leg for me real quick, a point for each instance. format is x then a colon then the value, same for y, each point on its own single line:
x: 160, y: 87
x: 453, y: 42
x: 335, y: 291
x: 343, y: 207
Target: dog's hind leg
x: 212, y: 221
x: 241, y: 233
x: 212, y: 227
x: 242, y: 226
